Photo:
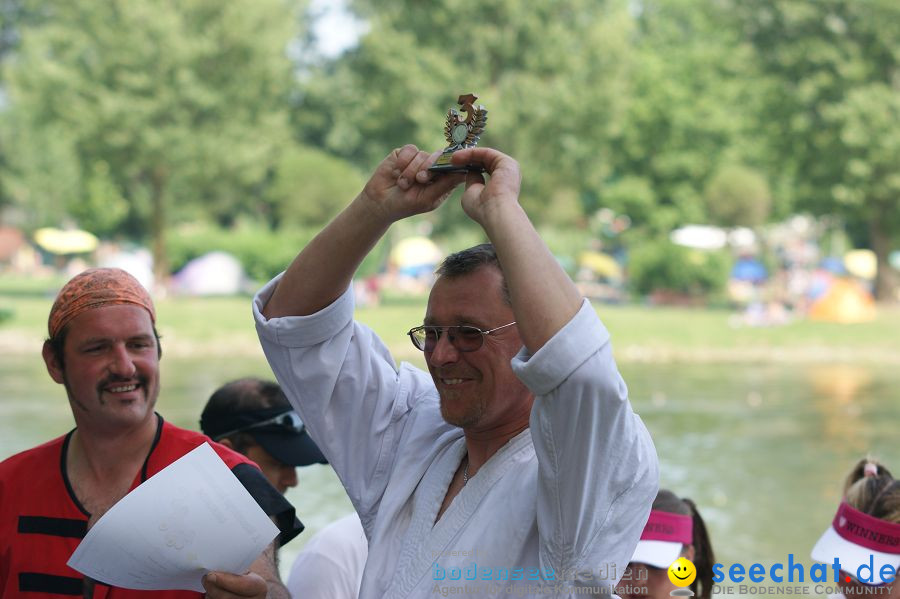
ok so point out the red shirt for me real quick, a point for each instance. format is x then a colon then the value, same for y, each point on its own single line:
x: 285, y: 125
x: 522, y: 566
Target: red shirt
x: 42, y: 522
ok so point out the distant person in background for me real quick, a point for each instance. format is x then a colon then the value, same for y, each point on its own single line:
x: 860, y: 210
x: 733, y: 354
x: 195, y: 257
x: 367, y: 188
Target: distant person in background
x: 865, y: 533
x: 104, y: 349
x: 675, y: 529
x: 254, y: 417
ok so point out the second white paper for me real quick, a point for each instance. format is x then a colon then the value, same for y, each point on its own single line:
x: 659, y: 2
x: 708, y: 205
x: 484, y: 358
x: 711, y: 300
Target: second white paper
x: 192, y: 517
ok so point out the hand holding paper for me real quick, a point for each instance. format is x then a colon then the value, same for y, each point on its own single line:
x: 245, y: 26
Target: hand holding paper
x: 191, y: 518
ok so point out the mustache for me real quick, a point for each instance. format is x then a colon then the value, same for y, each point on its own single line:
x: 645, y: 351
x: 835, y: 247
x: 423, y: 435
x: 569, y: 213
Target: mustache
x: 113, y: 379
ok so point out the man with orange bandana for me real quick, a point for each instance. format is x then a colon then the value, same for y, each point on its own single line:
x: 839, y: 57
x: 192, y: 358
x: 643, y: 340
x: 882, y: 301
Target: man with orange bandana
x: 104, y: 349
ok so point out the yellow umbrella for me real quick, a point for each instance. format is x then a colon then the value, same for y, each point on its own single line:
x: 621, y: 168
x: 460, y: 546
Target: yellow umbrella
x: 601, y: 264
x: 861, y: 263
x: 57, y: 241
x: 415, y: 251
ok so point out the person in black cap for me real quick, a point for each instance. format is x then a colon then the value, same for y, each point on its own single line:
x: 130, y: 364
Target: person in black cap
x: 253, y: 417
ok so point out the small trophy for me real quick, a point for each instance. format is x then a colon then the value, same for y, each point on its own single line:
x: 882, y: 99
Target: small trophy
x: 461, y: 133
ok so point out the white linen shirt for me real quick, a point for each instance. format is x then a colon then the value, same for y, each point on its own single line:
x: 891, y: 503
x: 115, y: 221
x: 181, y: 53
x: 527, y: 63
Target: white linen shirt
x: 330, y: 566
x: 564, y: 502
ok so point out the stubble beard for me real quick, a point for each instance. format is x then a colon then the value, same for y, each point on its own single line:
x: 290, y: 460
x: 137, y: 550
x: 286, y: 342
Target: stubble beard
x: 471, y: 416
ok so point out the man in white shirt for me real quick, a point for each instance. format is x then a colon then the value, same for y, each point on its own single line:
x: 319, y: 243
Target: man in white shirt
x: 330, y: 566
x: 518, y: 466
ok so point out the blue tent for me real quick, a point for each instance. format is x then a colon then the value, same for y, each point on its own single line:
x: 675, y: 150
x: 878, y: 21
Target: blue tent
x: 749, y: 269
x: 833, y: 265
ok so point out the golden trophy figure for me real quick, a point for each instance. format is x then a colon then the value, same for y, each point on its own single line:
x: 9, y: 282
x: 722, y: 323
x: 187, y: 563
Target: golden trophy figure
x: 461, y: 133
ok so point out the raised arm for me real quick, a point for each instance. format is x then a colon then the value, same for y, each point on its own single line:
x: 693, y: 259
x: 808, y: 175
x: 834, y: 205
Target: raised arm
x: 324, y: 268
x: 543, y: 296
x: 597, y: 467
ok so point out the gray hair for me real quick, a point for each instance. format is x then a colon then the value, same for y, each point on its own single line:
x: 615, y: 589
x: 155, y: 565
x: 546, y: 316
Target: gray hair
x: 469, y: 260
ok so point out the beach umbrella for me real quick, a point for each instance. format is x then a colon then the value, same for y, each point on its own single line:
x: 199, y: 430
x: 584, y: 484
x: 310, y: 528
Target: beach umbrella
x: 415, y: 251
x: 59, y: 241
x: 701, y: 237
x: 602, y: 265
x: 861, y: 263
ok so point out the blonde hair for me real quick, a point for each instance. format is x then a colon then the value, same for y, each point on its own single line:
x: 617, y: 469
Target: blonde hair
x: 872, y: 489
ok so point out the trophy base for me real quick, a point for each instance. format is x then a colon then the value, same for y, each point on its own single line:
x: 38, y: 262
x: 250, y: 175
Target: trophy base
x: 443, y: 165
x: 452, y: 168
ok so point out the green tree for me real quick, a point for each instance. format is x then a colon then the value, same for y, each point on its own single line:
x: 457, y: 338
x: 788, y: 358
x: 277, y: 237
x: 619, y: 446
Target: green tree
x: 14, y: 16
x: 552, y: 76
x: 42, y: 176
x: 691, y: 108
x: 833, y: 112
x: 310, y: 187
x: 180, y: 105
x: 738, y: 196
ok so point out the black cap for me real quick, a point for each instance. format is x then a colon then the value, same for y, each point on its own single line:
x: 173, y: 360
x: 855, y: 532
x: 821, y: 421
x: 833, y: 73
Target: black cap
x: 279, y: 431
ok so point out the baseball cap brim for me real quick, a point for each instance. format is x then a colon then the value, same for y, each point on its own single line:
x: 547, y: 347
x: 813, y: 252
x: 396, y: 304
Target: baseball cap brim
x: 288, y: 447
x: 659, y: 554
x: 851, y: 556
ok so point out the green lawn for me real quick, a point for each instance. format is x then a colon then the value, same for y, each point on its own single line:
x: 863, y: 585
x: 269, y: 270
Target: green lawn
x: 640, y: 333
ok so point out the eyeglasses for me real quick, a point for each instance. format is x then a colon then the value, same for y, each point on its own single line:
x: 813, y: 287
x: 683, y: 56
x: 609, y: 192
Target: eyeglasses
x: 463, y: 337
x: 289, y: 421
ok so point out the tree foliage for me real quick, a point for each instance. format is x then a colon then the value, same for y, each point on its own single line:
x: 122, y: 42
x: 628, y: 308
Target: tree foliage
x: 738, y: 196
x: 662, y: 265
x: 180, y: 105
x: 130, y: 118
x: 550, y: 74
x: 324, y: 183
x: 691, y: 105
x: 832, y: 108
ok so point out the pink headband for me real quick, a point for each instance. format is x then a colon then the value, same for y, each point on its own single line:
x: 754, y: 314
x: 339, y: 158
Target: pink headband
x: 866, y: 531
x: 666, y: 526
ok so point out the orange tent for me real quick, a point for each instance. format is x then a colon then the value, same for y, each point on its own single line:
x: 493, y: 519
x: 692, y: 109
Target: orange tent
x: 845, y: 301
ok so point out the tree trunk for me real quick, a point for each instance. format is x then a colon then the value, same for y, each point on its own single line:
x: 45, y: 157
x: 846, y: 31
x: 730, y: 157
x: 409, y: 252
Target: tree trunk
x: 158, y: 227
x: 886, y: 279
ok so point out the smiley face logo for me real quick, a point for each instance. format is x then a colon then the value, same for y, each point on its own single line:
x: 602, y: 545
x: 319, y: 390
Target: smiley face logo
x: 682, y: 572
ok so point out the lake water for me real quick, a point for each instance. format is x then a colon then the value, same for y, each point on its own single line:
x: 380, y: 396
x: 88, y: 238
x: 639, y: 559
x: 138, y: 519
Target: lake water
x: 762, y: 449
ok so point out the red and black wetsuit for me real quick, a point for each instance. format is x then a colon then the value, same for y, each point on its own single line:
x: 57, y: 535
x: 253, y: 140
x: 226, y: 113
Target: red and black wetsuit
x: 42, y: 522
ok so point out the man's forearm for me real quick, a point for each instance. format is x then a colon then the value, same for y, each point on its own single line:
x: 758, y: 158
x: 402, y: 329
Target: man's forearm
x: 325, y: 267
x: 543, y: 296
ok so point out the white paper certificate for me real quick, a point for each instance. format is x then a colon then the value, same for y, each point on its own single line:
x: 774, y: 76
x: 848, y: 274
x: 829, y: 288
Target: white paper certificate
x: 191, y: 517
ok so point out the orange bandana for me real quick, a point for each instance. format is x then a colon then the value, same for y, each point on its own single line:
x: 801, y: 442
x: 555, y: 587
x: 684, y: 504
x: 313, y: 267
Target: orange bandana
x: 95, y: 288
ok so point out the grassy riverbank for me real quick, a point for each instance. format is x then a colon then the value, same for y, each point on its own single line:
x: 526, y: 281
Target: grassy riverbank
x: 195, y: 326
